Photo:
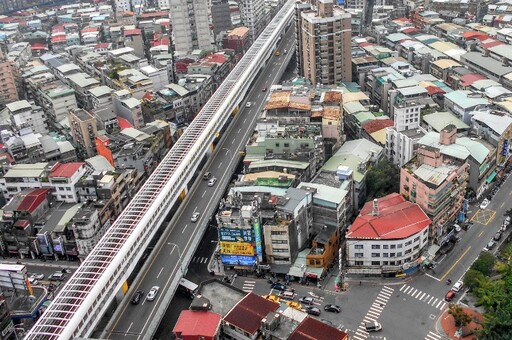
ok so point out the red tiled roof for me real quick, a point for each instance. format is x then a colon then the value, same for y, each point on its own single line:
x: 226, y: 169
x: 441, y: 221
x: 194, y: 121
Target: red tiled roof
x: 410, y: 30
x: 147, y: 96
x: 377, y: 125
x: 434, y: 90
x: 397, y: 219
x: 165, y: 41
x: 135, y: 31
x: 65, y: 169
x: 163, y: 14
x: 32, y: 200
x: 22, y: 224
x: 310, y: 329
x: 216, y: 58
x: 58, y: 39
x: 491, y: 44
x: 102, y: 45
x: 89, y: 30
x: 366, y: 44
x: 468, y: 79
x: 197, y: 324
x: 249, y: 312
x: 475, y: 35
x: 39, y: 46
x: 124, y: 123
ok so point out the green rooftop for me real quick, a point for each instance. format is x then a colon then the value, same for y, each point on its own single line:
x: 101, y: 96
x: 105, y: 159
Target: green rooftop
x: 275, y: 182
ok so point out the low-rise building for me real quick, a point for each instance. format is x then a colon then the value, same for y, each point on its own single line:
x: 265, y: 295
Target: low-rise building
x: 387, y: 237
x: 83, y: 131
x: 63, y: 178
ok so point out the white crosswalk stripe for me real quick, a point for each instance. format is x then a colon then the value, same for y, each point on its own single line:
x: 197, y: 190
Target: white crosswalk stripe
x: 432, y: 336
x: 248, y: 286
x: 423, y: 296
x: 374, y: 312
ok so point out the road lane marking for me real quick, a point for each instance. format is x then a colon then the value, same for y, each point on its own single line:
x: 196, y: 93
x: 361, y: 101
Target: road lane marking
x: 232, y: 141
x: 160, y: 272
x: 128, y: 330
x: 456, y: 263
x: 185, y: 227
x: 443, y: 305
x: 204, y: 193
x: 432, y: 277
x: 480, y: 235
x: 401, y: 288
x: 412, y: 293
x: 430, y: 300
x: 220, y: 164
x: 422, y: 296
x: 239, y: 130
x: 244, y: 120
x: 440, y: 301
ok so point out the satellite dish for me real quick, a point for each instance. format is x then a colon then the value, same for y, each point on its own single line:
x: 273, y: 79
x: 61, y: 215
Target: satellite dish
x: 31, y: 298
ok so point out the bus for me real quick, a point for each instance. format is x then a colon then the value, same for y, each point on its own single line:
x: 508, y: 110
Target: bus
x: 187, y: 288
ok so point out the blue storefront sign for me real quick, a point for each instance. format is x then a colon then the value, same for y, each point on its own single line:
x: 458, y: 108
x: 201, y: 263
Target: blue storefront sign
x: 236, y: 235
x: 257, y: 237
x: 238, y: 260
x: 504, y: 152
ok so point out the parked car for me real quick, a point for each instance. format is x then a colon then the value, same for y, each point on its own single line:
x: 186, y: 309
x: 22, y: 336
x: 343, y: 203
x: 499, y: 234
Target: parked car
x: 497, y: 236
x: 137, y: 296
x: 332, y: 308
x: 507, y: 220
x: 278, y: 286
x: 450, y: 295
x: 152, y: 293
x: 207, y: 176
x: 313, y: 311
x: 373, y: 326
x: 212, y: 182
x: 272, y: 298
x: 57, y: 276
x: 306, y: 300
x: 490, y: 245
x: 294, y: 305
x: 503, y: 227
x: 287, y: 295
x: 37, y: 276
x: 457, y: 228
x: 33, y: 280
x: 458, y: 286
x: 195, y: 217
x: 484, y: 204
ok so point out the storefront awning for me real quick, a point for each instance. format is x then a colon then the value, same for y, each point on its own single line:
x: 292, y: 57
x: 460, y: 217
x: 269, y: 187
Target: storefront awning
x: 491, y: 177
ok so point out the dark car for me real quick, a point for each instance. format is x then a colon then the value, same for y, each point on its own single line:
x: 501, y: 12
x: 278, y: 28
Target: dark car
x: 332, y: 308
x: 497, y: 236
x: 264, y: 89
x: 313, y: 311
x: 137, y: 296
x: 278, y: 286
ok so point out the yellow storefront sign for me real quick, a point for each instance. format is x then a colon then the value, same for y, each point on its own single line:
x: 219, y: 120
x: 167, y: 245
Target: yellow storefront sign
x: 236, y: 248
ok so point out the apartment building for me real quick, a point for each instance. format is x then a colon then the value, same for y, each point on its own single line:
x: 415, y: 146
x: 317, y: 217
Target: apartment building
x: 325, y: 43
x: 253, y: 17
x: 56, y: 102
x: 128, y: 107
x: 25, y: 115
x: 8, y: 87
x: 23, y: 176
x: 190, y: 25
x: 63, y: 177
x: 83, y: 131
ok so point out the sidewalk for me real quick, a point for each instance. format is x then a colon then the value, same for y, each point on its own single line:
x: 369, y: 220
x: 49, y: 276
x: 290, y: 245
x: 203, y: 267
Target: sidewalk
x: 446, y: 324
x: 47, y: 264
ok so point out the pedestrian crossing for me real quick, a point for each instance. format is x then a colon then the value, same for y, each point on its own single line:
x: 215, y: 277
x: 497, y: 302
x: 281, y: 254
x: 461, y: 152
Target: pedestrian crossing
x: 374, y: 312
x: 433, y: 336
x: 200, y: 259
x: 248, y: 286
x: 437, y: 303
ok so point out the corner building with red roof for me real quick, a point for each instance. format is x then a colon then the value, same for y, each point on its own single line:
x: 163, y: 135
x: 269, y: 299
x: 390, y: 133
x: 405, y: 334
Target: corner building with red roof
x: 389, y: 235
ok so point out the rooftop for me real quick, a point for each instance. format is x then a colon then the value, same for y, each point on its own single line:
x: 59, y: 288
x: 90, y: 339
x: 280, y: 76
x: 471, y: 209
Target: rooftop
x: 396, y: 219
x: 311, y: 328
x: 65, y: 169
x: 441, y: 119
x: 248, y: 313
x: 197, y: 324
x: 26, y: 170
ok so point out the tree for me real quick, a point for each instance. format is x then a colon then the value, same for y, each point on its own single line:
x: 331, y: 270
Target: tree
x: 382, y: 179
x: 473, y: 279
x: 484, y: 263
x: 459, y: 316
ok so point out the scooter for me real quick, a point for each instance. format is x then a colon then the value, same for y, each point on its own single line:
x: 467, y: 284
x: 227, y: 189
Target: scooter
x: 448, y: 282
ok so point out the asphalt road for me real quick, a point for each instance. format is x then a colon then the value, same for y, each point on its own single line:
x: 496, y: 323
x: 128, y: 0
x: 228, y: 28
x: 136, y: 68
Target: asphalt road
x: 133, y: 321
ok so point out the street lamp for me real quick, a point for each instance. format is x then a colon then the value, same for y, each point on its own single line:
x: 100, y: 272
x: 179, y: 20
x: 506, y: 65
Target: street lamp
x: 179, y: 254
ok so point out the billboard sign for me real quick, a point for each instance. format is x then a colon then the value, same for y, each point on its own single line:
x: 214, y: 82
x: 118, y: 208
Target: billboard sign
x: 13, y: 276
x: 504, y: 152
x: 236, y: 248
x: 236, y: 235
x: 237, y: 260
x: 257, y: 237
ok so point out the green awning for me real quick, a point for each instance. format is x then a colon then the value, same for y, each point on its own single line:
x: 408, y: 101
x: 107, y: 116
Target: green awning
x: 491, y: 177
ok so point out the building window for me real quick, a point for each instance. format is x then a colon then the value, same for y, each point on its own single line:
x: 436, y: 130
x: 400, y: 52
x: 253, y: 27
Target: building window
x: 385, y: 255
x: 385, y: 246
x: 375, y: 254
x: 375, y: 263
x: 359, y: 263
x: 375, y: 246
x: 359, y: 255
x: 393, y: 246
x: 416, y: 239
x: 408, y: 243
x: 399, y: 246
x: 407, y: 251
x: 399, y: 254
x: 358, y: 246
x: 392, y: 254
x: 425, y: 231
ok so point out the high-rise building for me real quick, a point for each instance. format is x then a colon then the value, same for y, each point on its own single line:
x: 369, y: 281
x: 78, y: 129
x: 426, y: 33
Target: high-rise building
x: 190, y: 25
x: 83, y: 131
x: 324, y: 42
x: 8, y: 89
x: 221, y: 17
x: 253, y: 16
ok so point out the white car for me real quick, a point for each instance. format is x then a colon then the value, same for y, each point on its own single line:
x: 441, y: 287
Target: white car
x: 37, y: 276
x: 212, y: 182
x: 152, y: 293
x: 457, y: 228
x: 248, y: 104
x: 457, y: 286
x: 195, y: 217
x: 33, y: 280
x: 484, y: 204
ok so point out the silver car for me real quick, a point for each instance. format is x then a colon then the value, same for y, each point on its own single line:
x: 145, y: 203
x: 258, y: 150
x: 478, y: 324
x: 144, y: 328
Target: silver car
x: 152, y: 293
x: 212, y: 182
